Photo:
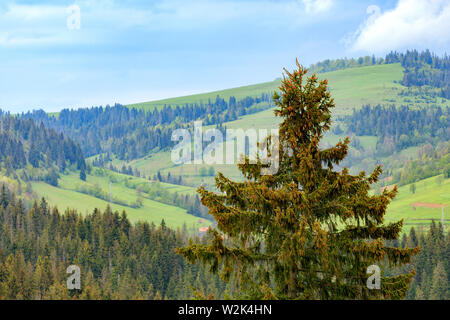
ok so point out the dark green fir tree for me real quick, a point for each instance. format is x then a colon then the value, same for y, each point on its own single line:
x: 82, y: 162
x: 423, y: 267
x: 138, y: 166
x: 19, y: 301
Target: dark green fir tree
x: 311, y: 230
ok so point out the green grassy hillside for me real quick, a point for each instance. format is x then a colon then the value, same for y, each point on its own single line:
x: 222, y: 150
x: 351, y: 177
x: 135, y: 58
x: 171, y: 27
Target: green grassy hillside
x: 239, y: 93
x: 435, y: 190
x: 350, y: 88
x: 192, y: 174
x: 72, y: 193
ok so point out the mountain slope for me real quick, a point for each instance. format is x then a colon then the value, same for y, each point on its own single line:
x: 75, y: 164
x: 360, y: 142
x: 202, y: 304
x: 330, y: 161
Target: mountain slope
x: 37, y: 162
x: 351, y: 88
x: 123, y: 193
x: 240, y: 92
x: 424, y: 205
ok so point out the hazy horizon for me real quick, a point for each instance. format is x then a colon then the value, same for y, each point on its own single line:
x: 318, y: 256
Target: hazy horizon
x: 128, y: 52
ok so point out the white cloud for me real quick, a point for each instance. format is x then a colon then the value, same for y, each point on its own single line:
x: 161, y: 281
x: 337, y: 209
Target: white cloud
x: 411, y: 24
x: 317, y: 6
x: 30, y: 25
x: 33, y: 12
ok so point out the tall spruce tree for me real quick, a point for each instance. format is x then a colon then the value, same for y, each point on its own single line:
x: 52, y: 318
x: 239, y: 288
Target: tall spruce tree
x: 310, y: 231
x: 439, y: 286
x: 82, y: 174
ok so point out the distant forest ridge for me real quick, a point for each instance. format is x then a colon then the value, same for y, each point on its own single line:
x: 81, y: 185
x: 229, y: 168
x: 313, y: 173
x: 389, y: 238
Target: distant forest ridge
x: 320, y: 67
x: 400, y: 128
x: 25, y: 143
x: 131, y: 133
x: 421, y: 68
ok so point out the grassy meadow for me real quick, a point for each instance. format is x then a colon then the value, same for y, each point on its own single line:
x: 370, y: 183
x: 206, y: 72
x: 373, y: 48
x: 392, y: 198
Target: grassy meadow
x: 123, y: 189
x: 434, y: 190
x: 351, y: 88
x: 239, y: 93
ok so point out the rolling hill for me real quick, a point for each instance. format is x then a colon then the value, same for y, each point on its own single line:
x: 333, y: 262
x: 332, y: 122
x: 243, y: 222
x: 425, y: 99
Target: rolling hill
x: 351, y: 88
x: 424, y: 205
x: 121, y: 195
x: 123, y: 190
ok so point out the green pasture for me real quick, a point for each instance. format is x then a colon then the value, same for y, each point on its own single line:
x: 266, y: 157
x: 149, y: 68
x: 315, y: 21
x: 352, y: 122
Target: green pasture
x: 68, y: 195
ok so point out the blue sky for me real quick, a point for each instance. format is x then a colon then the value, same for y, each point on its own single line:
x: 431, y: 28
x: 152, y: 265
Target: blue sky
x: 131, y: 51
